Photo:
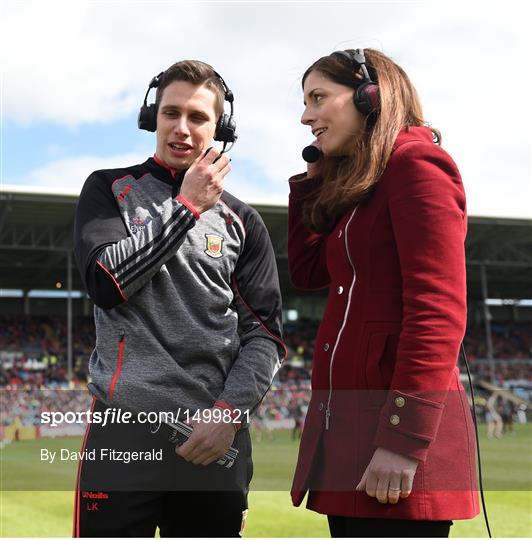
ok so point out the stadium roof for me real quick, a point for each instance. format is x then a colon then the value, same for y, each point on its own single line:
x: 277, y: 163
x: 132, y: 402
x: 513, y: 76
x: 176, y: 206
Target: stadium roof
x: 36, y: 237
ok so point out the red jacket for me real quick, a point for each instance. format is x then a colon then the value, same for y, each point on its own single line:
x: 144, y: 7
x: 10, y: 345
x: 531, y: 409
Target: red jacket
x: 384, y: 372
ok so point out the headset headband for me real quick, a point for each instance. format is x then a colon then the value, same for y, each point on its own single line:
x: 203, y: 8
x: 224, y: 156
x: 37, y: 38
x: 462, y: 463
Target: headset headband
x: 357, y: 59
x: 366, y: 96
x: 225, y: 126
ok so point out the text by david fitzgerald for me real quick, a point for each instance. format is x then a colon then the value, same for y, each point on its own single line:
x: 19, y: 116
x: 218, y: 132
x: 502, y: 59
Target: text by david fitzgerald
x: 102, y: 454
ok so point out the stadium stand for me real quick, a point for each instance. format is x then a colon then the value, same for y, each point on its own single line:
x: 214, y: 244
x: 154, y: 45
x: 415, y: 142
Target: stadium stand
x: 43, y: 364
x: 33, y: 368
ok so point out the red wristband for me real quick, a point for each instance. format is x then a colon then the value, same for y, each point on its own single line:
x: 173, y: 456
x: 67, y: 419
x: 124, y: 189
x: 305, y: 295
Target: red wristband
x: 234, y: 414
x: 189, y: 205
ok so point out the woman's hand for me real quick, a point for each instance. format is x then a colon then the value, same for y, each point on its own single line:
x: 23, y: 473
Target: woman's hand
x: 388, y: 476
x: 312, y: 169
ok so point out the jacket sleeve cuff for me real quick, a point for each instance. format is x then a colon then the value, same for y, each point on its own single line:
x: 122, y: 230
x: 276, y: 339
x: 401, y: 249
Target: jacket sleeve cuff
x: 235, y: 415
x: 189, y: 205
x: 408, y: 424
x: 301, y: 185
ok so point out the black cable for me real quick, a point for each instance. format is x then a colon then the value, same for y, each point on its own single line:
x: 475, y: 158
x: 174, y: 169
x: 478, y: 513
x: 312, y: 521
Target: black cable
x: 478, y: 442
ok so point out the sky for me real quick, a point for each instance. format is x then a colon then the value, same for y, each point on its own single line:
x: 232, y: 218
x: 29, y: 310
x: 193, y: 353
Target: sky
x: 74, y: 75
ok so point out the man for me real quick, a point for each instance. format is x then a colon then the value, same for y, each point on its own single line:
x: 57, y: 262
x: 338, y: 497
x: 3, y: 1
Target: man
x: 188, y: 321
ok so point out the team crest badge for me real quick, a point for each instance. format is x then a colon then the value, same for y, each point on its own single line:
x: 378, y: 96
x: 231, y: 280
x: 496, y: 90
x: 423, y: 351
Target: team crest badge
x: 214, y: 245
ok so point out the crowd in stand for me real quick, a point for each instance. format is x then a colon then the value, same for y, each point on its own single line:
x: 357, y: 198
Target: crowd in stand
x: 509, y: 341
x: 33, y: 351
x: 33, y: 361
x: 28, y: 402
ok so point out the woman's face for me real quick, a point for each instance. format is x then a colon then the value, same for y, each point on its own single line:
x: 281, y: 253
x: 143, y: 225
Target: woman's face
x: 331, y: 114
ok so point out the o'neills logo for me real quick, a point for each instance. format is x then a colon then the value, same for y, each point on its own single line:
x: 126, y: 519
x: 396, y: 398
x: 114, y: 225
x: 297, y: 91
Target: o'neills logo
x: 94, y: 495
x: 214, y: 245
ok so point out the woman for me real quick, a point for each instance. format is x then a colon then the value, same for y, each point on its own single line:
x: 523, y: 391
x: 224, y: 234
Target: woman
x: 388, y: 444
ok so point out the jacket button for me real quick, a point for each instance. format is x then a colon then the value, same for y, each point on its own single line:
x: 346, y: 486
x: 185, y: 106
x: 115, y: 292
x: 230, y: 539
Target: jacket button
x: 320, y: 407
x: 394, y: 419
x: 340, y: 290
x: 340, y: 233
x: 326, y: 347
x: 400, y: 401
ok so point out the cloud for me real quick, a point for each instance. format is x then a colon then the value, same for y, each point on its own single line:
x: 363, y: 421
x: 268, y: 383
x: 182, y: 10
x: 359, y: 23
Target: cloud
x: 73, y: 62
x: 90, y: 62
x: 70, y: 174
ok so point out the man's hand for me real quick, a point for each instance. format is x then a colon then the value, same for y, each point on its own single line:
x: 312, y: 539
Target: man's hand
x: 209, y: 441
x: 203, y: 183
x: 388, y: 476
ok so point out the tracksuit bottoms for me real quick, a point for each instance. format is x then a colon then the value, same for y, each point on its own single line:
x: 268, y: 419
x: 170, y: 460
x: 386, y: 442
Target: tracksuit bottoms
x: 130, y: 481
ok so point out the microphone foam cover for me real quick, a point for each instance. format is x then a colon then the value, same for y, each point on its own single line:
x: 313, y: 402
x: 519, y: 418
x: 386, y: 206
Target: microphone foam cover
x: 311, y: 154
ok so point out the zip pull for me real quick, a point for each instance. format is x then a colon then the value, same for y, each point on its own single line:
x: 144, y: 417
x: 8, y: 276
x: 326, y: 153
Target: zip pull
x: 327, y: 416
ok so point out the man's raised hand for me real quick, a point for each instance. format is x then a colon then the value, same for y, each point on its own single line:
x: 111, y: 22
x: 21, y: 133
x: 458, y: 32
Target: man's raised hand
x: 203, y: 183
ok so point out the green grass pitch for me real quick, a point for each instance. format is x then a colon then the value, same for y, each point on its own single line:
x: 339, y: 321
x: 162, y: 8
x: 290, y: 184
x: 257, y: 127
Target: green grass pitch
x: 507, y: 472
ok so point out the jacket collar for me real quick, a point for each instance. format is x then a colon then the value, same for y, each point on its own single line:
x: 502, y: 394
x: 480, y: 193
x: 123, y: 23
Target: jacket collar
x: 163, y: 171
x: 163, y: 164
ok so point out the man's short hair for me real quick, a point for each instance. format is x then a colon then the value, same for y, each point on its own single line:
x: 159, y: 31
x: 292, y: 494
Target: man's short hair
x: 195, y: 72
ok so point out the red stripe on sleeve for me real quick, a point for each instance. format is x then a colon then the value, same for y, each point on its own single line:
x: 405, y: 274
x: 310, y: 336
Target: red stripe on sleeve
x: 113, y: 278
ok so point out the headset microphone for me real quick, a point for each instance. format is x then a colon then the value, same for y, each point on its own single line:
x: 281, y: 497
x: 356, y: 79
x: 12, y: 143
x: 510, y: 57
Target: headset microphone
x: 311, y: 154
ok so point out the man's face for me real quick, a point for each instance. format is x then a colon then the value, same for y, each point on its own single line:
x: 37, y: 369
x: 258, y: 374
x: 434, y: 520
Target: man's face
x: 186, y: 122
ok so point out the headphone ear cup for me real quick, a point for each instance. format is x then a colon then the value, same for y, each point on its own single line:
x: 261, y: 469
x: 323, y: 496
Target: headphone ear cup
x: 147, y: 118
x: 220, y: 127
x: 366, y: 98
x: 225, y: 129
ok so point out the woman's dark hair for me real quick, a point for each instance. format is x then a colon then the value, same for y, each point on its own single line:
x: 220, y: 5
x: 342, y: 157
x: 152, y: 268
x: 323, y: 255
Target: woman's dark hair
x: 347, y: 180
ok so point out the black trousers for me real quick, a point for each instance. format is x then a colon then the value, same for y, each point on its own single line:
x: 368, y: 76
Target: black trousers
x: 188, y: 514
x: 122, y: 497
x: 349, y: 527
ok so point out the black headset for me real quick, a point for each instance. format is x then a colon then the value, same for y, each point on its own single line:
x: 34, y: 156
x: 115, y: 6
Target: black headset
x: 366, y: 96
x: 225, y: 127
